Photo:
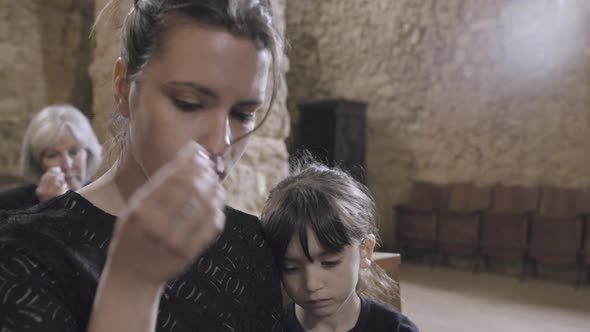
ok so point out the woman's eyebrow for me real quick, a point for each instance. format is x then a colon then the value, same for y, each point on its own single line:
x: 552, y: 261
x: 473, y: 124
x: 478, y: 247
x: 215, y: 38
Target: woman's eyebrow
x: 196, y: 87
x: 249, y: 103
x: 210, y: 93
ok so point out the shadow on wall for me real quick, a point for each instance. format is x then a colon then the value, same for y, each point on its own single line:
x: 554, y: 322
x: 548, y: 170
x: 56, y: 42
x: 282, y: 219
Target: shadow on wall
x: 65, y: 27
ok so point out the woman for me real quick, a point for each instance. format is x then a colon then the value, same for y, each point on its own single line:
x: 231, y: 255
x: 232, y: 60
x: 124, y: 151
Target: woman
x: 59, y: 152
x: 149, y: 245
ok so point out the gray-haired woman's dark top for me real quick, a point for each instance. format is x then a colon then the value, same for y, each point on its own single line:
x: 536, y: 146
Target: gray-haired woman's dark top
x: 18, y: 198
x: 51, y: 258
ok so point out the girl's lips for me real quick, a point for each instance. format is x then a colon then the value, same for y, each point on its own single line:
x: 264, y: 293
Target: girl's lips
x: 317, y: 303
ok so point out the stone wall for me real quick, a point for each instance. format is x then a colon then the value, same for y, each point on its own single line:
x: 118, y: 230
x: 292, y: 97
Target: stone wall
x: 265, y: 160
x: 485, y: 91
x: 44, y: 56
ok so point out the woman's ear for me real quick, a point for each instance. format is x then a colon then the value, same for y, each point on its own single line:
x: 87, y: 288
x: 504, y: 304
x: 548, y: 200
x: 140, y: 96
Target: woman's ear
x: 121, y: 87
x: 367, y: 246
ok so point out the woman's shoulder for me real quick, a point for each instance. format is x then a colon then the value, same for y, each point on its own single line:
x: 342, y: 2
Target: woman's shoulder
x: 56, y: 215
x: 52, y: 256
x: 243, y: 225
x: 243, y: 218
x: 63, y: 225
x: 379, y: 317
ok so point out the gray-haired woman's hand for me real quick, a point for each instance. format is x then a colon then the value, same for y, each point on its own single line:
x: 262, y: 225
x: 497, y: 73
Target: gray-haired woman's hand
x: 52, y: 184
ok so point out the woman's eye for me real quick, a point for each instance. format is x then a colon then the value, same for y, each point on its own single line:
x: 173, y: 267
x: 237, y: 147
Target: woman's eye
x: 330, y: 263
x: 244, y: 117
x: 186, y: 106
x: 74, y: 152
x: 50, y: 155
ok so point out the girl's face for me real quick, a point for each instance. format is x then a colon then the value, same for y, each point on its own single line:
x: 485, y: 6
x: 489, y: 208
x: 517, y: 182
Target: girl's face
x: 324, y: 287
x: 204, y: 85
x: 70, y: 157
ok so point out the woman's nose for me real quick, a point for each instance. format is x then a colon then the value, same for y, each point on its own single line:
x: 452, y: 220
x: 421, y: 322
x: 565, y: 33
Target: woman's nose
x: 219, y: 138
x: 66, y: 162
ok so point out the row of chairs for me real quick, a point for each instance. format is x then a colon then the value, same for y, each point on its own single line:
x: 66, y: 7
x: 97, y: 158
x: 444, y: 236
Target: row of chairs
x: 531, y: 226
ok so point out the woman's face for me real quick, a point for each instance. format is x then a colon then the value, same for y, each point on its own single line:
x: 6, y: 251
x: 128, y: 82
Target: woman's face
x: 204, y: 85
x: 70, y: 157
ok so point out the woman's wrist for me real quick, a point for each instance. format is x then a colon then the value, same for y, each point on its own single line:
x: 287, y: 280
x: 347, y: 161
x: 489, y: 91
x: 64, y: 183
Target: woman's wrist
x: 120, y: 297
x: 128, y: 285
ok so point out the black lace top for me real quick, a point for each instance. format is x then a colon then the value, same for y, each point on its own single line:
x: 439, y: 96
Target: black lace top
x: 51, y: 257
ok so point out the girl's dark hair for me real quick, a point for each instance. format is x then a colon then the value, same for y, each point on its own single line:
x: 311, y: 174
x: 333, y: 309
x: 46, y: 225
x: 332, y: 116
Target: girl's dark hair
x: 329, y: 201
x: 337, y: 208
x: 145, y: 26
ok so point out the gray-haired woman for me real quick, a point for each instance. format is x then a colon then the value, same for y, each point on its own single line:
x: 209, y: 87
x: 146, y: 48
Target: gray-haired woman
x: 59, y: 152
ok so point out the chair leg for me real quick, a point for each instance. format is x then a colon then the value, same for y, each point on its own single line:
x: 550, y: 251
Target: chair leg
x: 523, y: 269
x: 477, y: 264
x: 535, y: 267
x: 579, y: 274
x: 488, y: 263
x: 433, y: 255
x: 443, y: 259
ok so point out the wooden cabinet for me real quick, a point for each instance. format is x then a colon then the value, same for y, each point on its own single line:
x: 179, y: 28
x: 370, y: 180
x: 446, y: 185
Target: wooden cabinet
x: 334, y: 130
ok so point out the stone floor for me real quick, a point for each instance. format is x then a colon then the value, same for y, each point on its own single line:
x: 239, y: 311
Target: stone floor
x: 443, y: 299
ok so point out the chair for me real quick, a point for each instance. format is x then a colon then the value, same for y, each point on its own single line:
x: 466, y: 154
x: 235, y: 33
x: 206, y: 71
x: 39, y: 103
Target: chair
x: 416, y: 219
x: 583, y: 204
x: 505, y: 225
x: 9, y: 181
x: 459, y: 221
x: 556, y: 231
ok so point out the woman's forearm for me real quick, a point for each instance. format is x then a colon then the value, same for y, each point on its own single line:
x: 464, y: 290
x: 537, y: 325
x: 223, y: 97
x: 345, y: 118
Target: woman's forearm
x: 124, y: 305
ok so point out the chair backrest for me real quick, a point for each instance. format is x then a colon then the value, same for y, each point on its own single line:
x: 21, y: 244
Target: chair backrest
x: 10, y: 181
x: 583, y: 201
x: 465, y: 197
x: 558, y: 202
x: 425, y: 195
x: 514, y: 199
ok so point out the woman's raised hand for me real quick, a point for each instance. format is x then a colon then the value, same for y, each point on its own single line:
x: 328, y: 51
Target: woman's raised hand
x: 51, y: 184
x: 170, y: 221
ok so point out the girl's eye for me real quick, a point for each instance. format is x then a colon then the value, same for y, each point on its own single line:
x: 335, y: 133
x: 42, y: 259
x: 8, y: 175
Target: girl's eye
x: 330, y: 264
x: 74, y: 152
x: 186, y: 106
x: 289, y: 269
x: 244, y: 117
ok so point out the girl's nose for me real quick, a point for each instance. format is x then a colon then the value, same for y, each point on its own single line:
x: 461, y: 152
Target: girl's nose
x: 312, y: 281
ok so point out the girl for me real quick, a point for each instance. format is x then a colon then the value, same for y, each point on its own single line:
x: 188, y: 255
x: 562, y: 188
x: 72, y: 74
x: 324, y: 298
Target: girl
x: 150, y: 246
x: 320, y: 224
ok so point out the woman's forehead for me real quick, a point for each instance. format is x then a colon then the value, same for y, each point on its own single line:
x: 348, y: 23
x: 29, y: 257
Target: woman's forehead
x: 64, y: 139
x: 212, y: 57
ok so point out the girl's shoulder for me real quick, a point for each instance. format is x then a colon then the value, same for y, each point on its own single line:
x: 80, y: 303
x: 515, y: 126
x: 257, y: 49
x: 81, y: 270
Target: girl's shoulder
x: 379, y: 317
